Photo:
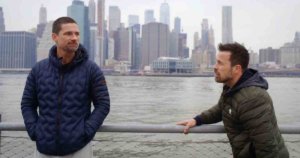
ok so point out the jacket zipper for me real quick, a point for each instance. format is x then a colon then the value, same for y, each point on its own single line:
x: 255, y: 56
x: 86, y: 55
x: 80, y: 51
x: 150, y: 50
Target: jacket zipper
x: 58, y: 114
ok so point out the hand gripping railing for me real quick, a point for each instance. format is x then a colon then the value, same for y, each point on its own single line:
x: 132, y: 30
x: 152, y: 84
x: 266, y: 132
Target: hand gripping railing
x: 125, y: 128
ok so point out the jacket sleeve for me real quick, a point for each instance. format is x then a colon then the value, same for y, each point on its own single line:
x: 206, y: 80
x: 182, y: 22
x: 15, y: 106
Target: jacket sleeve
x: 212, y: 115
x: 29, y: 105
x: 258, y: 118
x: 101, y: 101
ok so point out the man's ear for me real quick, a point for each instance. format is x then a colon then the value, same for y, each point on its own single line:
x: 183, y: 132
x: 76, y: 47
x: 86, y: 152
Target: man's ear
x: 54, y: 37
x: 238, y: 68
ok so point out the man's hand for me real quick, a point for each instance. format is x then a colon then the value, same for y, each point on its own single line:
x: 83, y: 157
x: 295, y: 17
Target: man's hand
x: 188, y: 124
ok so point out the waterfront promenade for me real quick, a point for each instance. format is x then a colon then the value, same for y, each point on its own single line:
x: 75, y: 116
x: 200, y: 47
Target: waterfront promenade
x: 154, y: 141
x: 146, y: 145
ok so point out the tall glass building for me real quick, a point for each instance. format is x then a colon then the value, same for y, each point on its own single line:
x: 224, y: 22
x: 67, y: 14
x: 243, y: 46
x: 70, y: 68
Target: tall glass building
x: 17, y: 49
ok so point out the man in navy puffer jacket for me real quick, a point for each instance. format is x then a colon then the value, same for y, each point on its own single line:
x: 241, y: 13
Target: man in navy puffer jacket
x: 56, y: 103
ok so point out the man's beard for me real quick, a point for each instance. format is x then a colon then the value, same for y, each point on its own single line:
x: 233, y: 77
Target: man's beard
x: 225, y: 79
x: 71, y: 49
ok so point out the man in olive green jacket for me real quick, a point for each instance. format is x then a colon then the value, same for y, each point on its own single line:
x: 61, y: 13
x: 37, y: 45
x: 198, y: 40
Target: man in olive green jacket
x: 245, y: 108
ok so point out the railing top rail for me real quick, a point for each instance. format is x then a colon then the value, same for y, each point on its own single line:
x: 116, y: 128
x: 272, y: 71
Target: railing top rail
x: 125, y: 128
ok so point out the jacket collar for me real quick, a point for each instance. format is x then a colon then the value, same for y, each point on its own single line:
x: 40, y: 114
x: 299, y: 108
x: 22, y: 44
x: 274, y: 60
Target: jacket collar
x: 81, y: 55
x: 249, y: 78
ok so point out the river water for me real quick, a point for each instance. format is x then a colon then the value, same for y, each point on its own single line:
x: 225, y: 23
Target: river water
x: 159, y: 100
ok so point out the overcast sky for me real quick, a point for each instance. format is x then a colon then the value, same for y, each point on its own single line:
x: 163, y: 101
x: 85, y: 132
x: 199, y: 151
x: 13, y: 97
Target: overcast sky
x: 256, y: 23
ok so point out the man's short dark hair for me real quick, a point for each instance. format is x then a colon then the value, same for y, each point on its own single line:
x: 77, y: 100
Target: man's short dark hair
x: 56, y: 27
x: 239, y: 54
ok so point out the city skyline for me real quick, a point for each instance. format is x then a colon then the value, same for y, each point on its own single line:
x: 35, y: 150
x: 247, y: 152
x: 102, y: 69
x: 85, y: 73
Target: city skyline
x: 256, y: 24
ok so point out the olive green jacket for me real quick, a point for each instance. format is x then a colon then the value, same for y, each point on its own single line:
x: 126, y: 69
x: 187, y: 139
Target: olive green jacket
x: 249, y: 119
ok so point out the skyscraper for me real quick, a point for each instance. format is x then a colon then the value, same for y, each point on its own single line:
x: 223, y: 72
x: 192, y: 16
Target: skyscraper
x: 149, y: 16
x: 164, y: 14
x: 101, y: 15
x: 177, y: 25
x: 93, y: 41
x: 43, y: 15
x: 155, y: 42
x: 204, y: 34
x: 211, y: 36
x: 183, y: 50
x: 114, y: 18
x: 227, y: 24
x: 135, y: 46
x: 100, y: 57
x: 122, y: 44
x: 196, y: 39
x: 79, y: 12
x: 174, y: 44
x: 132, y: 20
x: 2, y: 24
x: 204, y: 52
x: 42, y: 21
x: 17, y: 49
x: 92, y: 11
x: 93, y: 31
x: 211, y: 47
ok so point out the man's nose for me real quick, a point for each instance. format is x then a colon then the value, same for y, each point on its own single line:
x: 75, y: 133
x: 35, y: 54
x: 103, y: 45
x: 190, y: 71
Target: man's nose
x: 74, y: 37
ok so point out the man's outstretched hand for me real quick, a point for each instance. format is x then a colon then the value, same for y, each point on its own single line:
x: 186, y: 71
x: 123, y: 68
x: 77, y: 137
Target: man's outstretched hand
x: 188, y: 124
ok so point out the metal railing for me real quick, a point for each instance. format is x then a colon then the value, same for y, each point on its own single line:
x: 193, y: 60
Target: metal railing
x: 285, y: 129
x: 108, y: 146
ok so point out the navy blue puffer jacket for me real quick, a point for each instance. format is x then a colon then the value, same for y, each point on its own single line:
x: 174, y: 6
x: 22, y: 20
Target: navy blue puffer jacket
x: 63, y: 94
